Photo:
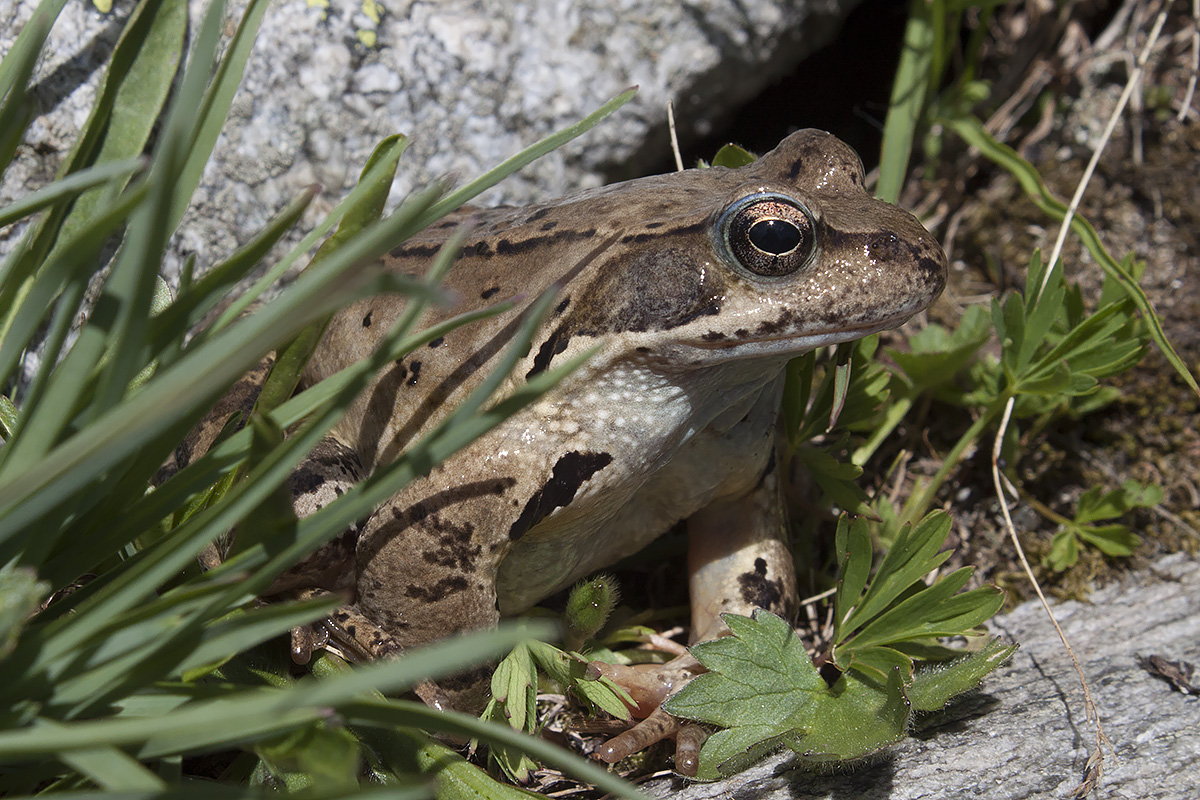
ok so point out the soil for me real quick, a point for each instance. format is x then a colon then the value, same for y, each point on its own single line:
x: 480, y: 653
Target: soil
x: 1144, y: 201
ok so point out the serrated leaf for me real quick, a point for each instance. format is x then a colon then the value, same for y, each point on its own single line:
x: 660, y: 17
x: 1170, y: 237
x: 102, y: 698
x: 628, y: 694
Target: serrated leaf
x: 933, y: 687
x: 935, y: 355
x: 972, y: 131
x: 1044, y: 304
x: 878, y: 663
x: 761, y: 670
x: 854, y: 719
x: 913, y: 555
x: 514, y: 685
x: 1142, y: 495
x: 1051, y: 381
x: 732, y: 750
x: 854, y: 550
x: 836, y: 479
x: 763, y: 687
x: 933, y: 611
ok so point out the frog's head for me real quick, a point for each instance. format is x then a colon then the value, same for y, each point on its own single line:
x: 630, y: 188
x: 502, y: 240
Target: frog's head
x: 810, y: 258
x: 776, y: 258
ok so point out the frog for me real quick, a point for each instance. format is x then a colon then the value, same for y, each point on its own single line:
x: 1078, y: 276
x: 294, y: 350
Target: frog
x: 691, y: 291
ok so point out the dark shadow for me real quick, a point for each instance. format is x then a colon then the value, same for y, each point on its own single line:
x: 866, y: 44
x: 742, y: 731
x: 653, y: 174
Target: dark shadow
x: 869, y: 779
x: 89, y: 58
x: 955, y: 717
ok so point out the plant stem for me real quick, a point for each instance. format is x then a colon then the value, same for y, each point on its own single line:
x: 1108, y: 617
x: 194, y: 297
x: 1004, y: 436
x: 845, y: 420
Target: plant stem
x: 921, y: 500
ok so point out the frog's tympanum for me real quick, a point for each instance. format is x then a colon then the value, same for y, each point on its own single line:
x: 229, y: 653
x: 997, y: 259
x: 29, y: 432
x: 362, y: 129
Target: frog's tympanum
x: 695, y: 288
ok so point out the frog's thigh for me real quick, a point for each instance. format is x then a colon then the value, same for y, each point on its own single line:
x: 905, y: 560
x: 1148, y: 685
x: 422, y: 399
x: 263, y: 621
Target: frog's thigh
x: 738, y: 559
x: 427, y: 564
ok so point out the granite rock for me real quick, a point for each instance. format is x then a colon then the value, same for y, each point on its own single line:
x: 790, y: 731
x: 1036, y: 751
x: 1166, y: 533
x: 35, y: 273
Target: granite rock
x: 471, y: 82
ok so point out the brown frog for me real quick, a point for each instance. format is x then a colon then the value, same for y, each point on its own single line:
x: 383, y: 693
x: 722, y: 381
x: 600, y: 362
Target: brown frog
x: 696, y: 287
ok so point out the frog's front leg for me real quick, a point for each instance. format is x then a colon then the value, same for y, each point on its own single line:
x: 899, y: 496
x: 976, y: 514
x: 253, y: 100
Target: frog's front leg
x: 738, y: 561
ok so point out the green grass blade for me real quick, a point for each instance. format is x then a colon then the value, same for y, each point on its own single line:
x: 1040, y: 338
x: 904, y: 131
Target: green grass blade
x: 130, y: 287
x: 18, y: 63
x: 240, y: 632
x: 16, y: 106
x: 67, y: 187
x: 459, y: 429
x: 400, y: 713
x: 907, y: 100
x: 242, y: 716
x: 209, y: 100
x: 445, y: 206
x: 126, y: 111
x: 199, y: 298
x: 114, y: 131
x: 109, y: 768
x: 203, y: 472
x: 372, y: 175
x: 67, y: 267
x: 209, y: 790
x: 973, y: 133
x: 291, y: 359
x: 175, y: 394
x: 136, y: 85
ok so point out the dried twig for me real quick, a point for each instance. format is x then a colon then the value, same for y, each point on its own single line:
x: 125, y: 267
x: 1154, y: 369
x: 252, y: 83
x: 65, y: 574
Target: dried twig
x: 674, y: 137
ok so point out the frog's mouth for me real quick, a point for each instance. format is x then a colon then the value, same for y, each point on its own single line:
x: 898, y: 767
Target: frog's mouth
x: 769, y: 342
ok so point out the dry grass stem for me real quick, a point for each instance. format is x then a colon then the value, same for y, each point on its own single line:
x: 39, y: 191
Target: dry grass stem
x: 1095, y: 764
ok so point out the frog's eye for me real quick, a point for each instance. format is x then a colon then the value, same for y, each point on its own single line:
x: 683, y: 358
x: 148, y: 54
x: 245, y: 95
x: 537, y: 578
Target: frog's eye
x: 768, y: 234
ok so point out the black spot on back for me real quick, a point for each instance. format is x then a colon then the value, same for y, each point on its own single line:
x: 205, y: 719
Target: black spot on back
x: 555, y: 344
x: 437, y: 591
x: 570, y: 472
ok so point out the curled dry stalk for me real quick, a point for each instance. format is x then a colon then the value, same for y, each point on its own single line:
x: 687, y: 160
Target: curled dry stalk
x: 1095, y: 763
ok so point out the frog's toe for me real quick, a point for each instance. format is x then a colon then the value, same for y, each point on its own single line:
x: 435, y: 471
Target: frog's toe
x: 654, y: 728
x: 306, y: 640
x: 649, y: 685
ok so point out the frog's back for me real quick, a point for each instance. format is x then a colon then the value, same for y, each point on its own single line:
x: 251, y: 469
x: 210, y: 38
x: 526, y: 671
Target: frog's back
x: 573, y: 245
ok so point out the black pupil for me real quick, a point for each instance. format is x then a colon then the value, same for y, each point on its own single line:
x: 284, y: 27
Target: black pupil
x: 775, y: 236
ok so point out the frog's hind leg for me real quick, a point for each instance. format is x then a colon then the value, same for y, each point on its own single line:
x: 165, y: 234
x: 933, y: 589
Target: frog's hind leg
x: 738, y: 561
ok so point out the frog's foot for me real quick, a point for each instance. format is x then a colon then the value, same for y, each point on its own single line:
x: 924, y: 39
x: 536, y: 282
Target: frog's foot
x: 306, y: 640
x: 356, y: 637
x: 649, y: 685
